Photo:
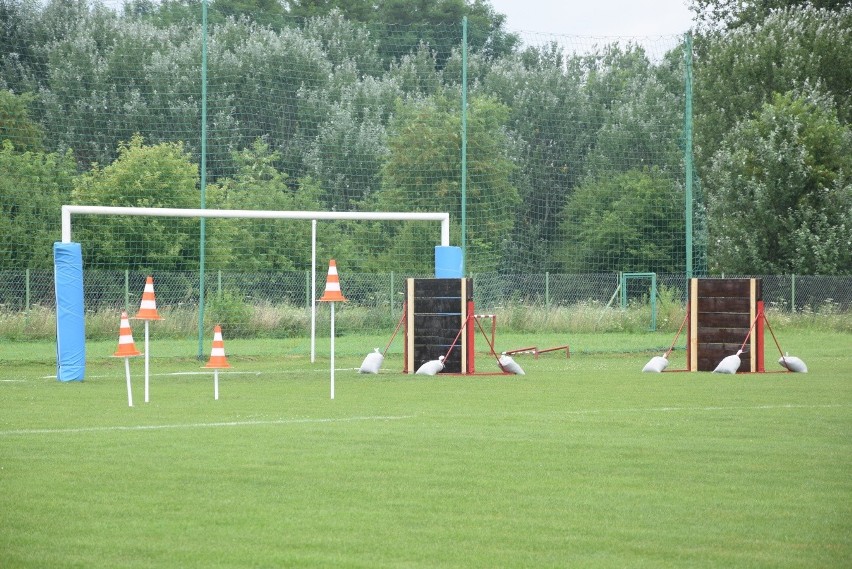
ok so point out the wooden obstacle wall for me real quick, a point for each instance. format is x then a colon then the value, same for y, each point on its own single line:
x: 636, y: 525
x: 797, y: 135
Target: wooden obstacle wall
x: 721, y: 313
x: 436, y: 310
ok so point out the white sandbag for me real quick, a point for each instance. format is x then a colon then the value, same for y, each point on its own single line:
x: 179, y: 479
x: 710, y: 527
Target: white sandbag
x: 793, y: 363
x: 656, y: 365
x: 729, y: 364
x: 509, y: 365
x: 372, y: 362
x: 431, y: 367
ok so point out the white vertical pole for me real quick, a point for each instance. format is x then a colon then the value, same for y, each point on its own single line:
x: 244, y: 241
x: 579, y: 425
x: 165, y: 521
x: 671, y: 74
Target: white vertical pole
x: 216, y: 384
x: 147, y: 351
x: 127, y: 374
x: 332, y: 349
x: 313, y: 290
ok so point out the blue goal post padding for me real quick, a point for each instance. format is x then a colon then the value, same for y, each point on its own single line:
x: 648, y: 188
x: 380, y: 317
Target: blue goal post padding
x: 448, y: 262
x: 70, y: 314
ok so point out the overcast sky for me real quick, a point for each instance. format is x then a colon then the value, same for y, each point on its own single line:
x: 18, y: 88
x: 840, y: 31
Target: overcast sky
x: 597, y: 18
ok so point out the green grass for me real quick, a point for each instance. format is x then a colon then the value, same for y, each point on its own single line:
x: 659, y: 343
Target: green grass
x: 583, y: 462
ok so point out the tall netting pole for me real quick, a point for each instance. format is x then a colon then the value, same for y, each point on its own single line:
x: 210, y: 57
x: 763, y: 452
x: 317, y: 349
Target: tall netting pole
x: 464, y: 145
x: 687, y: 149
x: 203, y: 177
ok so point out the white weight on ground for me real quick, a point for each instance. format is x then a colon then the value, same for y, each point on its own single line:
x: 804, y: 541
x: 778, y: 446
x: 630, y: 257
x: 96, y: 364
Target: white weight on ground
x: 793, y: 363
x: 656, y: 365
x: 431, y: 367
x: 509, y: 365
x: 372, y: 362
x: 729, y: 364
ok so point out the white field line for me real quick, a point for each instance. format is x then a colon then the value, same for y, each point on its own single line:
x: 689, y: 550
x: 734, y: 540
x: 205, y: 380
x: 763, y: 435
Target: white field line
x: 209, y: 372
x: 721, y: 408
x: 401, y: 417
x: 638, y: 410
x: 201, y: 425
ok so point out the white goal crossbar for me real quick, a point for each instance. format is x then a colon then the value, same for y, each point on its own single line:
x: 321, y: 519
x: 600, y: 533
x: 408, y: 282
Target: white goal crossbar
x: 69, y: 210
x: 313, y: 216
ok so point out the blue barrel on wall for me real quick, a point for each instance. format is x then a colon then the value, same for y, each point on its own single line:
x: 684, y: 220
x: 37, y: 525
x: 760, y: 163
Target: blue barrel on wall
x: 70, y: 314
x: 448, y: 262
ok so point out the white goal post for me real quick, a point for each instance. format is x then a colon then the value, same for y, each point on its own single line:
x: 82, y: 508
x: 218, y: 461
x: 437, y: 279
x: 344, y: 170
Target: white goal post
x: 69, y: 210
x: 313, y: 216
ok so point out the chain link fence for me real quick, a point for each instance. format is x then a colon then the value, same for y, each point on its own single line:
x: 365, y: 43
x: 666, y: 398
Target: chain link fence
x: 104, y: 290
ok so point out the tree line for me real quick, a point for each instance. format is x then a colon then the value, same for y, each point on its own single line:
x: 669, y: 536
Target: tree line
x: 574, y: 162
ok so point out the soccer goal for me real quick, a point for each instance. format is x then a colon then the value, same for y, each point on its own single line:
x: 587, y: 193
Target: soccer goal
x: 69, y: 266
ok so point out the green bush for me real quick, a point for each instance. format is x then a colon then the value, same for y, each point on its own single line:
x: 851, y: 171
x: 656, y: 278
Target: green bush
x: 231, y: 312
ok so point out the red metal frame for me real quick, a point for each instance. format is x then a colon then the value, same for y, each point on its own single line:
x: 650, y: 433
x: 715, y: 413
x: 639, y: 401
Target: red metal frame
x: 759, y: 338
x: 471, y: 340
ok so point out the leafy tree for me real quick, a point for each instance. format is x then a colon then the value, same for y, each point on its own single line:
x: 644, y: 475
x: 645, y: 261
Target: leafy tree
x: 437, y: 23
x: 355, y: 10
x: 19, y: 56
x: 415, y: 73
x: 628, y: 222
x: 545, y: 104
x: 15, y: 123
x: 733, y: 14
x: 346, y: 158
x: 422, y: 172
x: 780, y: 191
x: 270, y: 244
x: 261, y: 80
x: 269, y: 12
x: 400, y: 24
x: 740, y: 71
x: 90, y: 100
x: 168, y: 13
x: 643, y: 129
x: 33, y: 187
x: 577, y: 116
x: 145, y: 176
x: 345, y: 41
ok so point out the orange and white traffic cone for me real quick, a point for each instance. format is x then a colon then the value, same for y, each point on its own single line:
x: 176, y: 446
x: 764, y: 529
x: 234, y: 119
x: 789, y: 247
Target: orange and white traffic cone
x: 148, y: 308
x: 217, y: 359
x: 126, y: 349
x: 332, y: 285
x: 217, y: 354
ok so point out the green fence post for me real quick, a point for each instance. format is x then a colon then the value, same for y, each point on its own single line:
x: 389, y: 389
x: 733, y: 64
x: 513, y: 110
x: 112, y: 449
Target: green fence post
x: 127, y: 290
x: 219, y: 283
x: 391, y: 295
x: 793, y: 293
x: 653, y: 302
x: 547, y: 289
x: 27, y: 294
x: 464, y: 147
x: 687, y: 150
x: 203, y: 171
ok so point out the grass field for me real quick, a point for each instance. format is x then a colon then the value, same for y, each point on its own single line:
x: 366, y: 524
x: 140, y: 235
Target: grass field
x: 583, y: 462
